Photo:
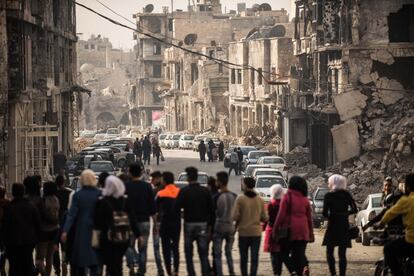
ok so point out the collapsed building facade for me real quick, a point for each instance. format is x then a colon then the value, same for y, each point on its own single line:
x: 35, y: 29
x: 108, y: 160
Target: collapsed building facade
x: 351, y: 82
x: 38, y: 83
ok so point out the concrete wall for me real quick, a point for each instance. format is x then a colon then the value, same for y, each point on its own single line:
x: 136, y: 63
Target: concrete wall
x: 3, y: 87
x: 259, y: 57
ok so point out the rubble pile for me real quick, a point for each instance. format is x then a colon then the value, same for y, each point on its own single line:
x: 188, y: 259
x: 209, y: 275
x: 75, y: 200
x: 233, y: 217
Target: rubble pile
x: 81, y: 143
x: 269, y: 140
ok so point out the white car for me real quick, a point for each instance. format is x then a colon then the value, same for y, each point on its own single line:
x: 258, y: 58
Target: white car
x: 99, y: 136
x: 202, y: 178
x: 266, y: 171
x: 197, y: 141
x: 161, y: 140
x: 174, y: 141
x: 254, y: 155
x: 369, y: 209
x: 186, y: 141
x: 112, y: 133
x: 264, y: 182
x: 275, y: 162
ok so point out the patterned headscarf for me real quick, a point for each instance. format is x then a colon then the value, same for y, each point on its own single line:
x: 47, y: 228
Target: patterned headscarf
x: 113, y: 187
x: 337, y: 182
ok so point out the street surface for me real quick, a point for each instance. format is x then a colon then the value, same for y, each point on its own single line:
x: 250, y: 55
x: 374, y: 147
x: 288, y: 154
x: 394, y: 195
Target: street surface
x: 361, y: 259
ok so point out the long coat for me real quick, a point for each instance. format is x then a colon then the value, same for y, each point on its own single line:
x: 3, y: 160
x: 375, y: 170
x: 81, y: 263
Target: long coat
x: 146, y: 148
x: 81, y: 215
x: 269, y: 244
x: 337, y: 206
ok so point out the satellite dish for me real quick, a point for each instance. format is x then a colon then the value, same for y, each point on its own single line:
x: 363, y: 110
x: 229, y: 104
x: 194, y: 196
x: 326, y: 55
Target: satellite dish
x: 180, y: 43
x: 255, y: 7
x: 265, y: 7
x: 149, y: 8
x: 190, y: 39
x: 277, y: 31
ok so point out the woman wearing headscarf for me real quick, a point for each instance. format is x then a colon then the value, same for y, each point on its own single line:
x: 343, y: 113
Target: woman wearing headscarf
x: 80, y: 217
x: 270, y: 245
x: 113, y: 200
x: 337, y: 206
x: 296, y: 216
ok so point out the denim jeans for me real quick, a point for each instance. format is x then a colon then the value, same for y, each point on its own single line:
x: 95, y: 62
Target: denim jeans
x: 246, y: 244
x: 157, y: 254
x: 133, y: 257
x: 218, y: 239
x: 196, y: 232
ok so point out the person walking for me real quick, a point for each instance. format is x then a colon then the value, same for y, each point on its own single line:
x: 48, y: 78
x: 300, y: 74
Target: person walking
x: 197, y: 204
x: 270, y: 245
x: 295, y: 215
x: 234, y: 162
x: 202, y: 151
x: 142, y: 198
x: 338, y: 204
x: 3, y: 202
x: 211, y: 146
x: 138, y: 149
x: 157, y: 186
x: 248, y: 213
x: 32, y: 191
x: 146, y: 149
x: 240, y: 156
x: 114, y: 238
x: 49, y: 227
x: 224, y: 227
x: 20, y: 232
x: 170, y: 223
x: 157, y: 152
x: 221, y: 151
x: 79, y: 222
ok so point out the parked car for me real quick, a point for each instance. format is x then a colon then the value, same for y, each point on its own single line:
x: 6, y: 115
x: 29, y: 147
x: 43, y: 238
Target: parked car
x: 253, y: 156
x: 99, y: 136
x: 264, y: 182
x: 174, y: 141
x: 99, y: 167
x: 167, y: 140
x: 202, y: 178
x: 197, y: 140
x: 112, y: 133
x: 161, y: 140
x: 84, y: 161
x: 369, y: 209
x: 275, y: 162
x: 87, y: 134
x: 317, y: 205
x: 98, y: 144
x: 186, y: 141
x: 248, y: 172
x: 216, y: 141
x: 266, y: 171
x: 71, y: 165
x: 245, y: 150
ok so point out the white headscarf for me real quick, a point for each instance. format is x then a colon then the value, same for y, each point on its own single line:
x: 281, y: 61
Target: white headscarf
x: 113, y: 187
x: 337, y: 182
x: 277, y: 191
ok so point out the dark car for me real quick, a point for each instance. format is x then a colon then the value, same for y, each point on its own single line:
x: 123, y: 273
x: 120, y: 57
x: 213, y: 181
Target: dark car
x: 317, y: 205
x: 245, y: 150
x: 71, y: 164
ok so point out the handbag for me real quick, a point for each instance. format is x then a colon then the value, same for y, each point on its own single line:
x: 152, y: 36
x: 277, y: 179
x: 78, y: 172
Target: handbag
x: 96, y: 236
x: 284, y: 233
x: 353, y: 232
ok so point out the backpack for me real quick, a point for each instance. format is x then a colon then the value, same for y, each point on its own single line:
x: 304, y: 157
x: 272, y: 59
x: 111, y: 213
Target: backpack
x: 120, y: 230
x: 51, y: 210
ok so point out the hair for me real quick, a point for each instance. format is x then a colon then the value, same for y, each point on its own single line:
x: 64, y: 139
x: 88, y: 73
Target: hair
x: 298, y: 183
x: 49, y: 188
x: 18, y: 190
x: 60, y: 181
x: 168, y: 177
x: 124, y: 177
x: 101, y: 179
x: 212, y: 184
x: 38, y: 178
x: 2, y: 192
x: 249, y: 182
x: 156, y: 174
x: 277, y: 191
x: 32, y: 186
x: 192, y: 174
x: 337, y: 182
x: 409, y: 182
x: 135, y: 170
x: 223, y: 178
x: 88, y: 179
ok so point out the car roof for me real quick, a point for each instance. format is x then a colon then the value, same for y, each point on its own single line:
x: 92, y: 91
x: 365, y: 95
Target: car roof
x: 266, y: 169
x: 258, y: 166
x: 268, y: 176
x: 254, y: 151
x: 101, y: 162
x: 271, y: 156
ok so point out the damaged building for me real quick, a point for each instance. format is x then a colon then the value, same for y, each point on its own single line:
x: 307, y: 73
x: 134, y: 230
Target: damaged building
x: 351, y: 81
x: 38, y: 71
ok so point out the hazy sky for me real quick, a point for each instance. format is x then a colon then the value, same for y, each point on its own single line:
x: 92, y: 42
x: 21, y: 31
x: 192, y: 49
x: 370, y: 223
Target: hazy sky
x: 88, y: 23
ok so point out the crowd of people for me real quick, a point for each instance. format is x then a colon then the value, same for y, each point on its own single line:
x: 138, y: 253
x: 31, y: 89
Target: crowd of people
x: 144, y: 147
x: 92, y: 230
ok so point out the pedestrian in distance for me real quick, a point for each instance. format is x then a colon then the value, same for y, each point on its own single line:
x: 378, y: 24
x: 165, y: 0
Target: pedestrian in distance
x: 248, y: 213
x: 202, y: 151
x: 142, y: 199
x: 240, y: 156
x: 114, y: 219
x: 338, y: 204
x: 138, y: 149
x: 83, y: 256
x: 157, y: 185
x: 270, y: 245
x: 49, y: 228
x: 146, y: 149
x: 211, y: 146
x: 221, y: 151
x: 224, y: 227
x: 20, y: 232
x: 296, y: 217
x: 234, y: 162
x: 197, y: 205
x: 170, y: 223
x: 3, y: 202
x: 157, y: 152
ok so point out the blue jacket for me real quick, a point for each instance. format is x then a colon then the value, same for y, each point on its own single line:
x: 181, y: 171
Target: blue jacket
x: 81, y: 216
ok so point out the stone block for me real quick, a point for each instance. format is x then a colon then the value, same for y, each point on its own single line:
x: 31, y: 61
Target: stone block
x: 390, y: 91
x: 383, y: 56
x: 350, y: 104
x: 346, y: 140
x: 365, y: 79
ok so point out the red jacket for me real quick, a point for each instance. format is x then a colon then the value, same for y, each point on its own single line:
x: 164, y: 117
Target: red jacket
x: 301, y: 227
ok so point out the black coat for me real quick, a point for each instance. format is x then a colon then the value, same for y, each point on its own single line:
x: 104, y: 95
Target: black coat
x: 337, y: 206
x: 146, y: 147
x: 202, y: 148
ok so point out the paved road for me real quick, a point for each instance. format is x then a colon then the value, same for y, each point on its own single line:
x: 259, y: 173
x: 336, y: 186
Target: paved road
x: 361, y: 259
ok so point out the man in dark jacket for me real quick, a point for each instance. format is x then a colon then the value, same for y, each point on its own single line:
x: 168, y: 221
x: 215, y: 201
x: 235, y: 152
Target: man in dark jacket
x: 197, y: 204
x: 211, y: 146
x: 138, y: 149
x: 20, y: 232
x: 146, y: 148
x: 202, y: 150
x: 141, y: 195
x: 240, y: 156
